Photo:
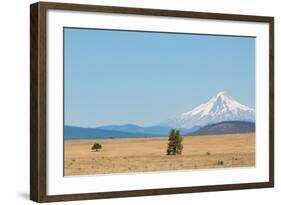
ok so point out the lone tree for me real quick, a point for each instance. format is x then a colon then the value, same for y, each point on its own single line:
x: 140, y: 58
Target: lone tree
x: 96, y: 147
x: 175, y: 143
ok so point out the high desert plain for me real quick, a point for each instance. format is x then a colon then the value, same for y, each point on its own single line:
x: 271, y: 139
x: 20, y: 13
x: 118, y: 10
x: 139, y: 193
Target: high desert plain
x: 132, y: 155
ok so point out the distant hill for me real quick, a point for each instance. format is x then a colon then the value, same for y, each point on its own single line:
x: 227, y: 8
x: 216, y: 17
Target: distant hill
x: 228, y: 127
x: 152, y: 130
x: 118, y: 131
x: 71, y: 132
x: 132, y: 128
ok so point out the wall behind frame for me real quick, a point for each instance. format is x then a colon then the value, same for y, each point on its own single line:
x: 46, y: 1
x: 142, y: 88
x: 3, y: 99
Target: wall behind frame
x: 14, y: 103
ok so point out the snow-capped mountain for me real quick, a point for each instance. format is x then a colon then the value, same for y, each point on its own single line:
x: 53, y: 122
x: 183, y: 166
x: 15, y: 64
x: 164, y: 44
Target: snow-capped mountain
x: 219, y: 108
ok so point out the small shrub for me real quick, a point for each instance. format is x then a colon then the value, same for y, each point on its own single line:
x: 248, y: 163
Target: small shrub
x: 96, y: 147
x: 208, y: 153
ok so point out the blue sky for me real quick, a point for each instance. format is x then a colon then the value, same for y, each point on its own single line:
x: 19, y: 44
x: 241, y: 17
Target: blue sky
x: 120, y: 77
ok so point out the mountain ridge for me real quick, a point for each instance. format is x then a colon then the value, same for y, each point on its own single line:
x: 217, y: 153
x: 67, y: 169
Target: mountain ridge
x: 114, y: 131
x: 73, y: 132
x: 133, y: 128
x: 226, y: 127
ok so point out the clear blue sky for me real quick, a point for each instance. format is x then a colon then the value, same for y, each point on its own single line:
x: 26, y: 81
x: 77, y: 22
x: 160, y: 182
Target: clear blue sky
x: 120, y: 77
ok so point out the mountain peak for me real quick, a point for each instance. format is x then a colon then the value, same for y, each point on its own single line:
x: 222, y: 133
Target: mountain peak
x: 221, y: 93
x: 221, y: 96
x: 219, y: 108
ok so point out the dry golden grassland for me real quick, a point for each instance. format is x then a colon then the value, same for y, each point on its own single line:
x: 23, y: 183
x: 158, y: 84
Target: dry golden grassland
x: 149, y: 154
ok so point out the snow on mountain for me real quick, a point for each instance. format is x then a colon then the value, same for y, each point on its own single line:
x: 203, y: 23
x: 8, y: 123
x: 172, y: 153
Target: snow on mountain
x: 219, y: 108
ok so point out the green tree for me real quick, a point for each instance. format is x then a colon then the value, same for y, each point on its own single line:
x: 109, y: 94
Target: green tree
x: 175, y: 143
x: 96, y: 147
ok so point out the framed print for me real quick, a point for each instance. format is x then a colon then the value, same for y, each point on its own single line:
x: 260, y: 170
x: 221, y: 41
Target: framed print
x: 135, y: 102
